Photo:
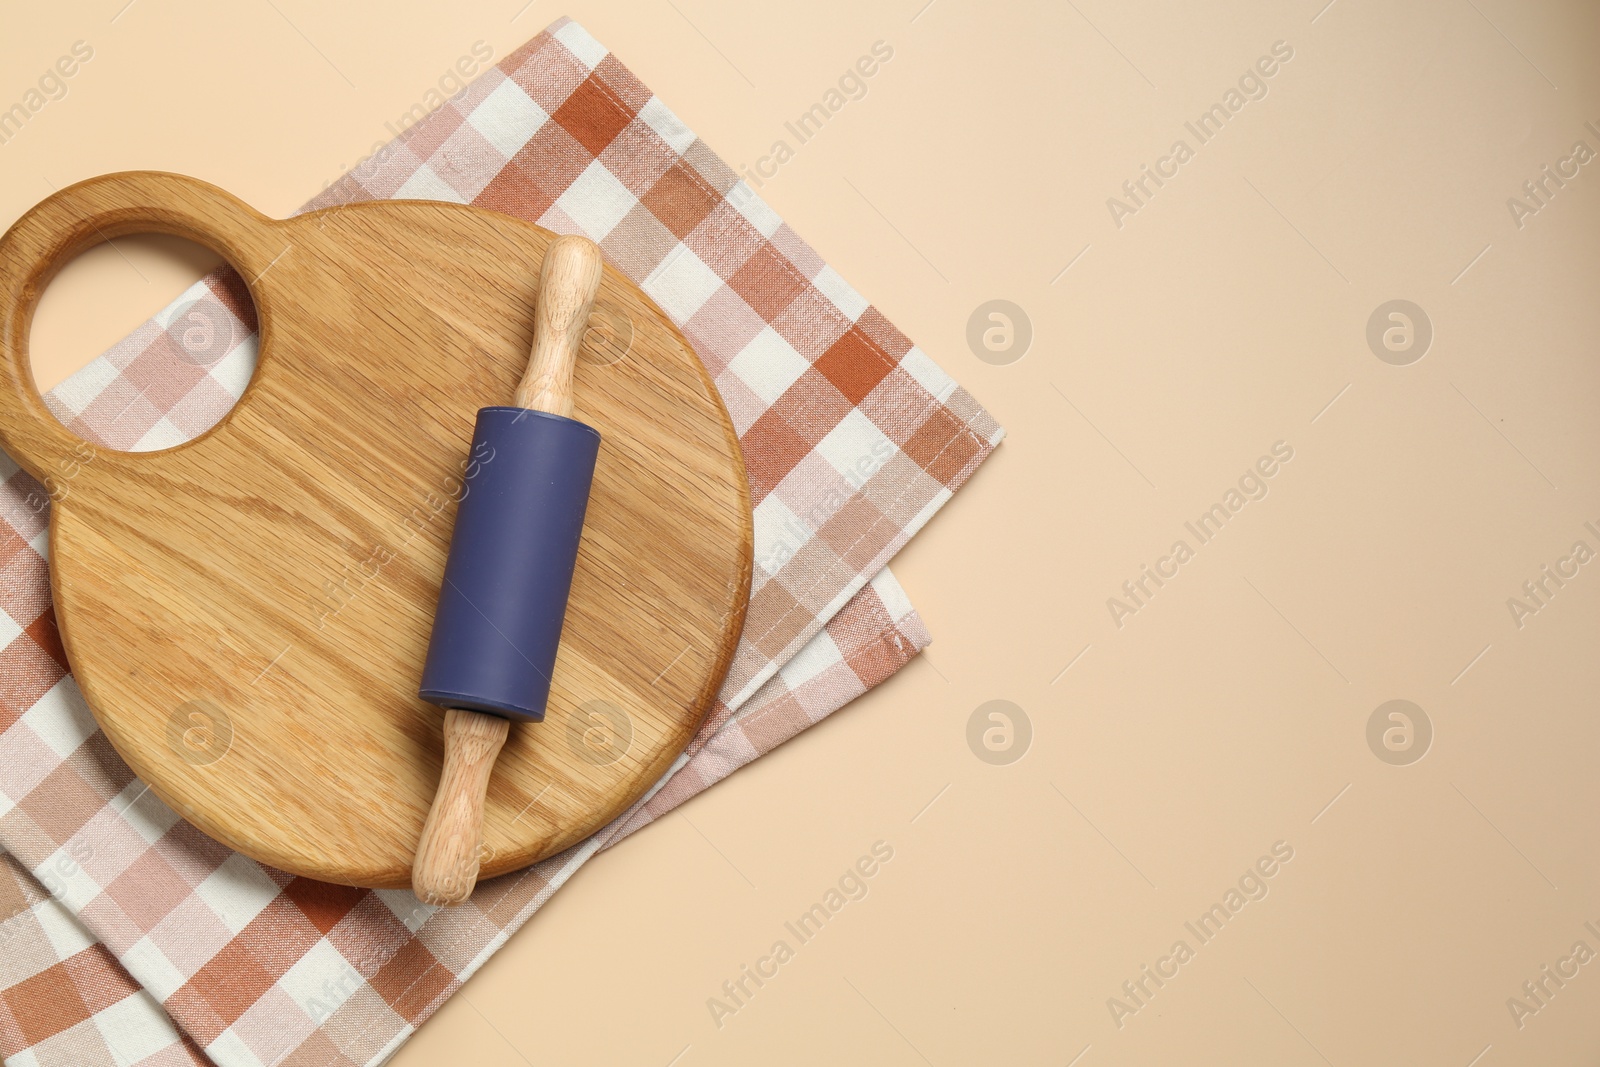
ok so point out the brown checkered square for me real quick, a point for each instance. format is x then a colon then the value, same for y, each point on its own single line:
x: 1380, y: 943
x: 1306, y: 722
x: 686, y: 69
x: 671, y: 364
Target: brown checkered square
x: 774, y: 619
x: 234, y: 295
x: 514, y: 192
x: 796, y: 251
x: 272, y: 1026
x: 221, y: 991
x: 710, y: 167
x: 120, y: 415
x: 723, y: 325
x: 858, y: 533
x: 21, y: 507
x: 62, y: 803
x: 47, y: 636
x: 94, y: 973
x: 811, y: 399
x: 243, y: 969
x: 776, y: 723
x: 45, y: 1005
x: 639, y: 241
x: 898, y: 406
x: 943, y: 446
x: 322, y: 903
x: 681, y: 199
x: 319, y: 1050
x: 11, y: 543
x: 884, y: 334
x: 370, y: 933
x: 505, y: 900
x: 855, y: 365
x: 202, y: 409
x: 594, y: 115
x: 412, y: 981
x: 27, y: 672
x: 464, y: 160
x: 191, y: 853
x: 768, y: 281
x: 24, y: 585
x: 771, y: 449
x: 902, y: 498
x: 824, y: 572
x: 423, y: 138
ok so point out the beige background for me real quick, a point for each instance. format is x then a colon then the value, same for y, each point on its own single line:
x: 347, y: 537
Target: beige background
x: 1228, y: 714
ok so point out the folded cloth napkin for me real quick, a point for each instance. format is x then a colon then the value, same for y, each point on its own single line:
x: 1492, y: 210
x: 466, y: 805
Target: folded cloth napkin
x: 124, y: 920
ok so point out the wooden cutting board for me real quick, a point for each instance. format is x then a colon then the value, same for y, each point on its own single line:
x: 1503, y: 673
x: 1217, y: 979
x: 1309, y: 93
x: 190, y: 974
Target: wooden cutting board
x: 247, y: 613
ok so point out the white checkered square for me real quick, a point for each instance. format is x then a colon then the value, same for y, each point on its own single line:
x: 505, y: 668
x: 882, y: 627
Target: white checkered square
x: 65, y: 878
x: 768, y: 365
x: 668, y: 126
x: 406, y: 907
x: 8, y: 629
x: 755, y: 210
x: 231, y: 1050
x: 927, y: 374
x: 508, y: 118
x: 233, y: 371
x: 682, y: 283
x: 237, y: 891
x: 151, y: 968
x: 425, y: 184
x: 66, y: 934
x: 198, y: 291
x: 144, y: 812
x: 162, y: 435
x: 843, y: 295
x: 892, y: 594
x: 136, y: 1027
x: 321, y: 981
x: 779, y: 533
x: 588, y: 50
x: 856, y: 447
x: 60, y: 718
x: 820, y: 653
x: 79, y: 391
x: 596, y: 201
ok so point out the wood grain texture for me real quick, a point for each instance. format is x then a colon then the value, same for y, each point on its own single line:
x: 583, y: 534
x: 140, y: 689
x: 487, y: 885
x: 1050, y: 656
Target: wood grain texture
x: 445, y: 869
x: 247, y: 614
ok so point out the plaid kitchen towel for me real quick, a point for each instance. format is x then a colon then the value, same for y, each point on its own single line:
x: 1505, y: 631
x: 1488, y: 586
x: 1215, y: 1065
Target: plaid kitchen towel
x: 852, y: 438
x: 65, y: 999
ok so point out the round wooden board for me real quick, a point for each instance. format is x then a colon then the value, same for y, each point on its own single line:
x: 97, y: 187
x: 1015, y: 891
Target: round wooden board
x: 247, y: 613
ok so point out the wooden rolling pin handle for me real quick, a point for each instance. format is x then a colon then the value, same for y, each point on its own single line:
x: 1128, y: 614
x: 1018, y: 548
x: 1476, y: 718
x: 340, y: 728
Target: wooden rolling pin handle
x: 568, y: 282
x: 446, y: 866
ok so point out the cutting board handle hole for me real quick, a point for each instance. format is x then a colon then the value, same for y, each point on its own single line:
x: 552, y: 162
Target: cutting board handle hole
x: 105, y: 294
x: 210, y: 331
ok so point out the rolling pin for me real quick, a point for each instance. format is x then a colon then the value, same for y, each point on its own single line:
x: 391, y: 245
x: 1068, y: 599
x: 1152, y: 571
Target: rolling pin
x: 509, y: 572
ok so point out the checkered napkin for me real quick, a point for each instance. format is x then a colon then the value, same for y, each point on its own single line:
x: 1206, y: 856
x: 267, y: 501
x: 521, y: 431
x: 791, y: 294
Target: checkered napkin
x: 126, y: 936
